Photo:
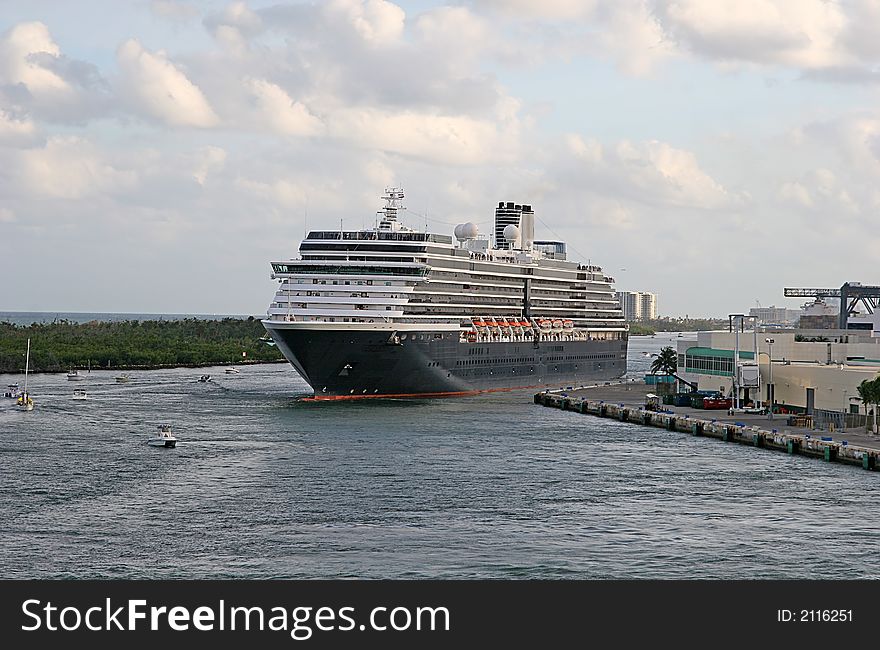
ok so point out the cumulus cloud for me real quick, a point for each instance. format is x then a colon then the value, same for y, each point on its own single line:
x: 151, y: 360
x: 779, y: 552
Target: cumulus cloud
x: 273, y: 108
x: 234, y: 26
x: 649, y: 172
x: 36, y: 78
x: 546, y: 10
x: 444, y: 139
x: 16, y: 131
x: 20, y: 62
x: 378, y: 22
x: 152, y: 83
x: 800, y: 33
x: 209, y: 160
x: 70, y: 167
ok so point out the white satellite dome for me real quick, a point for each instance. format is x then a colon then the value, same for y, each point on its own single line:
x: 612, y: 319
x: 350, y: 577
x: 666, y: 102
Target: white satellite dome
x: 466, y: 231
x: 511, y: 233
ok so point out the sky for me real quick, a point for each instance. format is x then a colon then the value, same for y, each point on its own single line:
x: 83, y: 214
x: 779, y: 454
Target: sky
x: 156, y: 155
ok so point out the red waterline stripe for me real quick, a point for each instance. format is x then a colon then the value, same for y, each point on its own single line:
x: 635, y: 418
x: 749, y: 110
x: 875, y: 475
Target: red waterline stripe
x: 465, y: 393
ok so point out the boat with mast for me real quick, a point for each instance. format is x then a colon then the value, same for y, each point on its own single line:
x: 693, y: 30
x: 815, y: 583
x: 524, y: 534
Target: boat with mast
x: 25, y: 403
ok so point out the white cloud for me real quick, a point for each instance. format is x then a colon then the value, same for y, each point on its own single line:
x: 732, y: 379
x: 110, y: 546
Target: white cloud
x: 820, y: 190
x: 795, y: 192
x: 16, y: 131
x: 20, y: 63
x: 210, y: 161
x: 635, y: 39
x: 443, y: 139
x: 377, y: 22
x: 544, y: 10
x: 651, y: 172
x: 152, y: 83
x: 70, y: 167
x: 235, y: 26
x: 800, y: 33
x: 273, y: 108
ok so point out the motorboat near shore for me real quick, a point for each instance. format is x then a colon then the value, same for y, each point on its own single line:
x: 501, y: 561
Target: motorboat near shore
x: 79, y: 393
x: 164, y: 437
x: 204, y: 379
x: 123, y: 379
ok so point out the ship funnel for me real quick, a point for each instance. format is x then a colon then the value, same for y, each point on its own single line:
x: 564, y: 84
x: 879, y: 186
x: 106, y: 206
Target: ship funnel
x: 514, y: 214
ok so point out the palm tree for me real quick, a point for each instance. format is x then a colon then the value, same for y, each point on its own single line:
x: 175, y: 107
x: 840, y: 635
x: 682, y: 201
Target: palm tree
x: 869, y: 391
x: 864, y: 391
x: 666, y: 362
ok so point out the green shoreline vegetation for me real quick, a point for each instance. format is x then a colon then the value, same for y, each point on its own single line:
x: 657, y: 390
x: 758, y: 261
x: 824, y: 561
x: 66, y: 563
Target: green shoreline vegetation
x: 134, y: 345
x: 648, y: 327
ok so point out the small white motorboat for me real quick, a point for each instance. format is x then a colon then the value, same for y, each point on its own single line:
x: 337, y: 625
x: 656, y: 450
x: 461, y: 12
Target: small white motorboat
x: 232, y: 370
x: 123, y: 379
x: 204, y: 379
x: 13, y: 391
x: 163, y: 438
x: 79, y: 393
x: 74, y: 375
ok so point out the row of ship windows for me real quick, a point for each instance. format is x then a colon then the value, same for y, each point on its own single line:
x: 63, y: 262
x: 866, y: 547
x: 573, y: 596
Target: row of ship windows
x: 570, y: 357
x: 476, y: 276
x: 347, y: 270
x: 362, y: 258
x: 345, y: 294
x: 361, y: 235
x: 325, y: 306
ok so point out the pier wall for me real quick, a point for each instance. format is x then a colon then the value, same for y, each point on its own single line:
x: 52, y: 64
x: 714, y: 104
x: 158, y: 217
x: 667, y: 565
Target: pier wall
x: 752, y: 435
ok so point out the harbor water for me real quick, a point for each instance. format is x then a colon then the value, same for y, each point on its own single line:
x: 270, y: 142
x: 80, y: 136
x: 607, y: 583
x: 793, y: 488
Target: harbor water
x: 265, y: 485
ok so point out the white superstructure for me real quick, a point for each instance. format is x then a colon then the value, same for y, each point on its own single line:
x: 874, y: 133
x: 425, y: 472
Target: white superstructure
x: 395, y: 275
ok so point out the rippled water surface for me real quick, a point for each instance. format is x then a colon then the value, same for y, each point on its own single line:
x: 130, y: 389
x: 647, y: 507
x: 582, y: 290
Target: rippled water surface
x: 265, y: 485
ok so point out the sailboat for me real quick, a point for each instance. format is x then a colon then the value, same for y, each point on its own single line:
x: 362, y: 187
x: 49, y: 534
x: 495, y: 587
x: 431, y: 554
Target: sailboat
x: 25, y: 403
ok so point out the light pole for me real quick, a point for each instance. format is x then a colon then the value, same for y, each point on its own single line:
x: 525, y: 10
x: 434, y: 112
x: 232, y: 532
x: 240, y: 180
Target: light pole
x: 772, y: 389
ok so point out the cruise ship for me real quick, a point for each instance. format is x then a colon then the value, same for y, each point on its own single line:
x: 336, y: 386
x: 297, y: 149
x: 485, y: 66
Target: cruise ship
x: 391, y: 311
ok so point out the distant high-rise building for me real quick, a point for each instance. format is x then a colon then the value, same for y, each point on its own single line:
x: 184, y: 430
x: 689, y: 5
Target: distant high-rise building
x: 648, y: 305
x: 638, y: 305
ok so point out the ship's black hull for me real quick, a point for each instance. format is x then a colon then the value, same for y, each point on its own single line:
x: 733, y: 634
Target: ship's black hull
x: 357, y: 363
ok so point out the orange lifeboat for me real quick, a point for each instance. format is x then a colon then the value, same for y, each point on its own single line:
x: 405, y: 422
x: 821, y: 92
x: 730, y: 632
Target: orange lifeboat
x: 568, y: 324
x: 557, y: 324
x: 544, y: 324
x: 479, y: 322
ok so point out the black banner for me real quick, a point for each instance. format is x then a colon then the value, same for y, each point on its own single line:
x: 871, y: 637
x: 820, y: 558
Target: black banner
x: 432, y: 613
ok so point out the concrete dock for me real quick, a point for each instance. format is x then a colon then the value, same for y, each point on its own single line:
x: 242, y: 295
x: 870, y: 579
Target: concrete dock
x: 625, y: 401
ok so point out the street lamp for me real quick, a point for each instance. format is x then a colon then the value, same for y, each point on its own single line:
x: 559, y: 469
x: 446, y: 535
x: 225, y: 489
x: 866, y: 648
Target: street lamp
x: 772, y: 390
